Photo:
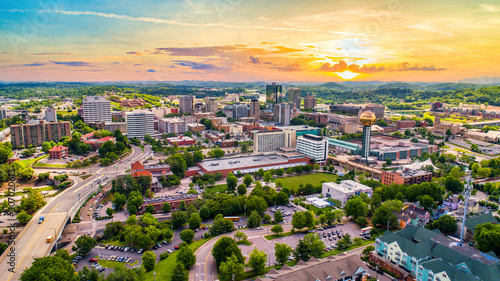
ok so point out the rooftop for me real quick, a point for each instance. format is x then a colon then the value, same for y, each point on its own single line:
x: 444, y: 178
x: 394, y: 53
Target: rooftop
x: 243, y: 162
x: 347, y: 186
x: 406, y: 173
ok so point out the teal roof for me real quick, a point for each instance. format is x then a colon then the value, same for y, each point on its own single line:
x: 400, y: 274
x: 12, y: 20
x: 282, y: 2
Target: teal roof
x: 472, y: 222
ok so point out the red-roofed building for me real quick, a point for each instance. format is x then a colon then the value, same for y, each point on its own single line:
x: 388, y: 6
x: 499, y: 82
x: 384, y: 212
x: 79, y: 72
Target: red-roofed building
x: 181, y: 140
x: 141, y: 173
x: 96, y: 143
x: 137, y: 166
x: 58, y: 152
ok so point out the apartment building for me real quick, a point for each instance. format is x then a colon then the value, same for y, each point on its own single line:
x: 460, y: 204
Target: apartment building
x: 96, y: 109
x: 139, y: 124
x: 38, y: 133
x: 313, y: 146
x: 273, y: 140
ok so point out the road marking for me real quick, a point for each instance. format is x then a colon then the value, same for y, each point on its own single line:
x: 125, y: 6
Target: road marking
x: 55, y: 207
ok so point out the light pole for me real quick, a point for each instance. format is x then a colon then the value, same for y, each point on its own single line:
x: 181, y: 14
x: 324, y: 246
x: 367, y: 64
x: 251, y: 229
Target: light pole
x: 268, y: 258
x: 55, y: 237
x: 154, y: 275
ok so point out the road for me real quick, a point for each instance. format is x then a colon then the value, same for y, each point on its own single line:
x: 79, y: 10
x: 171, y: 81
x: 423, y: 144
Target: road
x: 30, y: 243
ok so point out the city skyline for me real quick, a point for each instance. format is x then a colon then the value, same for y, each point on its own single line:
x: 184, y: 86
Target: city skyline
x: 249, y: 41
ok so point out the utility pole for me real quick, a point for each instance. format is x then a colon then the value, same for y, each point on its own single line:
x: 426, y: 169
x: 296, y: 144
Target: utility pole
x: 467, y: 194
x: 388, y: 225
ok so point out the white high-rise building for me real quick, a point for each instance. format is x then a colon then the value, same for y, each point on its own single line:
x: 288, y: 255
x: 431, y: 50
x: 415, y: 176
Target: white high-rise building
x: 172, y: 125
x: 265, y: 141
x: 50, y: 114
x: 3, y: 113
x: 96, y: 109
x: 313, y: 146
x: 139, y: 124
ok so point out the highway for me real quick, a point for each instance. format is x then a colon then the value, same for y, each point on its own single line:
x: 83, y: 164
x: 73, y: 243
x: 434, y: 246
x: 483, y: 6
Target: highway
x: 31, y: 242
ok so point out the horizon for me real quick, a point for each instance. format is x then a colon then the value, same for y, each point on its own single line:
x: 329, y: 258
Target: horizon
x: 235, y: 41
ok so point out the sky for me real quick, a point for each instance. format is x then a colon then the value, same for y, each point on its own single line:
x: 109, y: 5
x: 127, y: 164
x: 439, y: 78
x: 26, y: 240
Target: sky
x: 242, y: 40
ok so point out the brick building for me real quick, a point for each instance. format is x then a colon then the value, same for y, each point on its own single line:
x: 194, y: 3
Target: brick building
x: 36, y: 134
x: 403, y: 124
x: 58, y: 152
x: 174, y: 201
x: 405, y: 176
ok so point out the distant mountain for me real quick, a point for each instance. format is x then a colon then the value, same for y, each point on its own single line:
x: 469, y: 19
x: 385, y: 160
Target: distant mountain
x: 334, y: 85
x: 482, y: 80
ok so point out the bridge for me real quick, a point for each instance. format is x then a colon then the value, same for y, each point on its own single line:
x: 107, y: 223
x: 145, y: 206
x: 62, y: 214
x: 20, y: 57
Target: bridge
x: 349, y: 164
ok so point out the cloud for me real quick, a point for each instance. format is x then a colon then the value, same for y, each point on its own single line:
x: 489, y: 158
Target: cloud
x: 490, y: 7
x: 151, y: 70
x: 115, y: 62
x: 72, y: 63
x: 288, y: 68
x: 5, y: 52
x: 427, y: 26
x: 267, y: 43
x: 35, y: 64
x: 283, y: 49
x: 198, y: 66
x: 134, y: 53
x: 50, y: 54
x: 342, y: 66
x: 137, y: 64
x: 198, y: 51
x: 257, y: 60
x: 405, y: 66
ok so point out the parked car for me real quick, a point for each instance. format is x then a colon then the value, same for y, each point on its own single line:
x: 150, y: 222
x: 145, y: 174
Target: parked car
x: 92, y: 260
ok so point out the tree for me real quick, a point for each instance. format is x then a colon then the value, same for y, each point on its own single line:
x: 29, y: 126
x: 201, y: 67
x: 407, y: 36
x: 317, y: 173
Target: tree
x: 448, y: 132
x: 240, y: 235
x: 49, y: 268
x: 179, y: 218
x: 453, y: 184
x: 280, y: 183
x: 186, y: 256
x: 194, y: 221
x: 384, y: 214
x: 217, y: 153
x: 282, y: 252
x: 247, y: 179
x: 356, y: 207
x: 204, y: 213
x: 226, y: 247
x: 257, y: 261
x: 267, y: 176
x: 278, y: 217
x: 62, y: 253
x: 254, y: 219
x: 85, y: 244
x: 187, y: 235
x: 88, y: 274
x: 178, y: 165
x: 166, y: 207
x: 149, y: 260
x: 277, y: 229
x: 231, y: 267
x: 427, y: 202
x: 267, y: 218
x: 109, y: 212
x: 311, y: 245
x: 23, y: 217
x: 487, y: 237
x: 150, y: 209
x: 361, y: 221
x: 182, y: 206
x: 179, y: 273
x: 231, y: 181
x: 298, y: 220
x: 119, y: 201
x: 198, y: 156
x: 446, y: 224
x: 242, y: 190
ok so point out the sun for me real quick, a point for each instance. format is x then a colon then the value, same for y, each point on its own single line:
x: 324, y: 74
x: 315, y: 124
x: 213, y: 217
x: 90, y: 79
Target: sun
x: 347, y: 75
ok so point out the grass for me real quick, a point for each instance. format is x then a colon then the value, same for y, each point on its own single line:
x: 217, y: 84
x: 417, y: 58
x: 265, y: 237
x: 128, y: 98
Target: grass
x: 65, y: 112
x: 217, y: 188
x: 244, y: 242
x: 113, y: 264
x: 29, y: 162
x: 294, y: 182
x: 352, y: 247
x: 274, y: 236
x: 49, y: 165
x: 165, y: 267
x: 316, y: 210
x: 47, y: 188
x: 251, y: 274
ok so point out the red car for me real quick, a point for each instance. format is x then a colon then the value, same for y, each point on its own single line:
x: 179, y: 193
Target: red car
x: 92, y: 260
x: 176, y: 247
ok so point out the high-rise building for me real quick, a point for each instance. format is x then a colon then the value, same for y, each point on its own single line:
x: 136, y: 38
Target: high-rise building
x: 367, y: 119
x: 172, y: 125
x: 254, y: 109
x: 3, y: 113
x: 294, y: 98
x: 96, y: 109
x: 240, y: 110
x: 315, y: 147
x: 310, y: 102
x: 139, y: 124
x: 211, y: 104
x: 274, y: 93
x: 282, y: 114
x: 264, y: 141
x: 186, y: 104
x: 50, y: 114
x: 36, y: 134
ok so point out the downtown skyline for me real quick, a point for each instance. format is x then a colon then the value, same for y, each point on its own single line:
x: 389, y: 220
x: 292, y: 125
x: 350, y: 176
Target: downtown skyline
x: 249, y: 40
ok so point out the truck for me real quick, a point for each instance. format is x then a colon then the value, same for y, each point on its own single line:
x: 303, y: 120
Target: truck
x: 49, y: 239
x: 40, y: 220
x: 365, y: 231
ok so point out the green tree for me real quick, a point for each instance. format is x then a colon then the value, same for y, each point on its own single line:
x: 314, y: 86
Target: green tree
x: 187, y: 235
x: 23, y: 217
x: 267, y: 218
x: 179, y: 218
x: 427, y: 202
x: 247, y: 179
x: 63, y: 253
x: 231, y: 181
x: 198, y: 156
x: 150, y: 209
x: 186, y: 256
x: 282, y: 252
x: 487, y: 237
x: 453, y: 184
x: 310, y: 245
x: 267, y: 176
x: 166, y: 207
x: 446, y: 224
x: 257, y: 261
x: 242, y: 190
x: 179, y: 273
x: 204, y: 213
x: 226, y: 247
x: 356, y: 207
x: 231, y: 267
x: 149, y: 260
x: 278, y: 217
x: 119, y: 201
x: 298, y: 220
x: 194, y: 221
x: 49, y: 268
x: 109, y: 212
x: 182, y: 206
x: 85, y: 244
x: 277, y: 229
x: 254, y: 219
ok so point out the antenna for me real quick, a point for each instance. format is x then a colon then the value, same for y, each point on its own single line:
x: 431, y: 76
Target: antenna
x: 467, y: 194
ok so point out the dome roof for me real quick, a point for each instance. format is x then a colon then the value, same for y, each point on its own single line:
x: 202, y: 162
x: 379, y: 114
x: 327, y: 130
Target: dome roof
x: 367, y: 118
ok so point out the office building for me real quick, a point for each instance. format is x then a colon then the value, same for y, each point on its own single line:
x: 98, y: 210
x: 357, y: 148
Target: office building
x: 274, y: 93
x: 211, y: 104
x: 139, y: 124
x: 405, y: 176
x: 355, y: 109
x: 404, y: 124
x: 186, y: 104
x: 50, y: 114
x: 264, y: 141
x: 254, y: 109
x: 344, y: 190
x: 293, y: 97
x: 38, y: 133
x: 96, y: 109
x: 310, y: 102
x: 240, y: 110
x: 301, y: 130
x: 172, y: 125
x: 435, y: 106
x: 3, y: 113
x: 282, y: 114
x: 341, y: 119
x: 318, y: 117
x: 315, y: 147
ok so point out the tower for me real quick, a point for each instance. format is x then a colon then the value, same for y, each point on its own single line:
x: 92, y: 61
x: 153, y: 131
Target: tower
x: 367, y: 119
x: 467, y: 195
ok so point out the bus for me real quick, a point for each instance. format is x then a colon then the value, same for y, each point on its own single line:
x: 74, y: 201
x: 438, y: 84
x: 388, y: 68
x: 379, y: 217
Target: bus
x: 235, y: 219
x: 365, y: 231
x: 49, y: 239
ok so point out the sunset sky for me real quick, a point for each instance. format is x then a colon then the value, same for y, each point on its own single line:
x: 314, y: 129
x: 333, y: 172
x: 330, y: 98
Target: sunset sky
x: 241, y: 40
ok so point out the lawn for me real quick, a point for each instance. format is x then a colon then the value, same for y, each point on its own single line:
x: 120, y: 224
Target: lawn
x: 217, y: 188
x: 49, y: 165
x: 293, y: 182
x: 113, y: 264
x: 284, y: 234
x: 352, y: 247
x: 65, y: 112
x: 244, y: 242
x: 29, y: 162
x: 165, y: 267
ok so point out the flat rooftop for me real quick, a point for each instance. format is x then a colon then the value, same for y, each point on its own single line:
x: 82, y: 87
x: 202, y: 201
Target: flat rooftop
x: 243, y: 162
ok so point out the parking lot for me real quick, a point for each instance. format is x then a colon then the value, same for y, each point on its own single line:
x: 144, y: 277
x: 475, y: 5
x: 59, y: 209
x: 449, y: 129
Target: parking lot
x: 287, y: 211
x: 107, y: 254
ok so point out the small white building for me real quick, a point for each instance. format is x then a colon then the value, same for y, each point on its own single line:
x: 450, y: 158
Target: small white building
x: 345, y: 190
x: 320, y: 203
x: 313, y: 146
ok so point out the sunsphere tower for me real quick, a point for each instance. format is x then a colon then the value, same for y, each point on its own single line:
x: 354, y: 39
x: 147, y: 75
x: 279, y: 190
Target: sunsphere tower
x: 367, y: 119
